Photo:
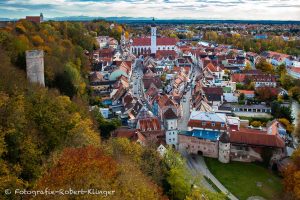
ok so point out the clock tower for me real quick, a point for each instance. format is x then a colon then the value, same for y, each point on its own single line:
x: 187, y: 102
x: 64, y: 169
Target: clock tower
x: 153, y: 37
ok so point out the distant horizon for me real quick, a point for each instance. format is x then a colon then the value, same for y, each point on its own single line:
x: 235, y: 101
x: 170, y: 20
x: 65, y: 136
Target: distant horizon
x: 286, y: 10
x: 128, y: 18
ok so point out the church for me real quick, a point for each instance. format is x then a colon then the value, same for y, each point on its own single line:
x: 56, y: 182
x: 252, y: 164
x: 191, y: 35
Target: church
x: 152, y: 45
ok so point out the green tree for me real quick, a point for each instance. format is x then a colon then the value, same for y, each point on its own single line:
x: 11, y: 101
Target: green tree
x: 179, y: 179
x: 105, y: 126
x: 286, y: 80
x: 279, y: 111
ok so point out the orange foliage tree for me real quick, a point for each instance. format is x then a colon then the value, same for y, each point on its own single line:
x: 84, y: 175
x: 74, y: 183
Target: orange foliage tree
x: 291, y: 174
x: 37, y: 40
x: 89, y: 168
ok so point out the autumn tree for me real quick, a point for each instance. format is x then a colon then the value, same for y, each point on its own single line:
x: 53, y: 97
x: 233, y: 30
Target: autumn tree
x: 202, y: 193
x: 286, y: 80
x: 288, y: 125
x: 89, y: 168
x: 297, y: 129
x: 265, y: 66
x: 248, y: 66
x: 265, y: 94
x: 291, y: 177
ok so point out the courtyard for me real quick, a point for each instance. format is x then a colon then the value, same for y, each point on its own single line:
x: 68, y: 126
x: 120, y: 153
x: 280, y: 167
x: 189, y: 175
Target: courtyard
x: 246, y: 180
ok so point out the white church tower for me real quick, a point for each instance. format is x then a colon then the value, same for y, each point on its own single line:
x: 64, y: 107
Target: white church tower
x: 153, y: 38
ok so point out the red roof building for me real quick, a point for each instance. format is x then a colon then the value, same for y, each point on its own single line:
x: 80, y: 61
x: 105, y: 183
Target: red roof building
x: 256, y: 137
x: 159, y: 42
x: 35, y: 19
x: 131, y: 134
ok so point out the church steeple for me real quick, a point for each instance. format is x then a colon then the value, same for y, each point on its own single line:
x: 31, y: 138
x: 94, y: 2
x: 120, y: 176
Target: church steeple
x: 41, y: 17
x: 153, y: 22
x: 153, y: 37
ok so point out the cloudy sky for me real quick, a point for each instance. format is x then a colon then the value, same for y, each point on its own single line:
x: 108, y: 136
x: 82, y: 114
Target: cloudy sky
x: 162, y: 9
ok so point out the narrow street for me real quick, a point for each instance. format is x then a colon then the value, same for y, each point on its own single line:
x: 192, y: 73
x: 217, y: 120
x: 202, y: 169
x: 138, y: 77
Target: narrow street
x: 185, y: 102
x: 136, y: 79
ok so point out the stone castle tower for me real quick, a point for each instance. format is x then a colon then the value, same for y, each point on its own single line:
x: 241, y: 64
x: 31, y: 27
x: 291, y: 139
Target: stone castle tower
x: 35, y: 66
x: 224, y: 148
x: 153, y: 38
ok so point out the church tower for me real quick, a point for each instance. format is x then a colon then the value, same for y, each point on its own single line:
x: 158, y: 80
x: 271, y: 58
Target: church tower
x: 153, y: 37
x: 41, y: 17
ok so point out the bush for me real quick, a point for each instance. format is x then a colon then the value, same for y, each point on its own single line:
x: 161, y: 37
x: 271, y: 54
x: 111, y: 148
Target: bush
x: 256, y: 123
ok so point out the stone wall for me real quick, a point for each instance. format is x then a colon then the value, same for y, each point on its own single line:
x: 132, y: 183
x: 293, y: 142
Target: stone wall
x: 198, y: 146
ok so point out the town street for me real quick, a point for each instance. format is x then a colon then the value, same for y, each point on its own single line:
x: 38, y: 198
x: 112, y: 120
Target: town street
x: 137, y: 76
x: 185, y: 101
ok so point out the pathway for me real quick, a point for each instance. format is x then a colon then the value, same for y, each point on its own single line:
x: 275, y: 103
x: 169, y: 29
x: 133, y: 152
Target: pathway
x: 200, y: 165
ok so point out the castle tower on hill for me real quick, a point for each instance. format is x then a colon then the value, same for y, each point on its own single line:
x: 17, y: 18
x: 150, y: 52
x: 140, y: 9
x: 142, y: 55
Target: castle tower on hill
x: 35, y: 66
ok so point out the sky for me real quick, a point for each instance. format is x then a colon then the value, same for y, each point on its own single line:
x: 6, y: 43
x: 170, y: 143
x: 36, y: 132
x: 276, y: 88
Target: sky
x: 161, y: 9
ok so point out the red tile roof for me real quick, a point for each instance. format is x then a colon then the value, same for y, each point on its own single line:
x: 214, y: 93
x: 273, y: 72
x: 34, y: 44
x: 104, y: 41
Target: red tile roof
x: 212, y: 67
x: 131, y: 134
x: 213, y: 90
x: 149, y: 80
x: 166, y: 53
x: 247, y: 92
x: 36, y: 19
x: 149, y: 124
x: 165, y: 100
x: 169, y: 114
x: 206, y: 125
x: 295, y: 69
x: 159, y: 41
x: 238, y: 78
x: 256, y: 137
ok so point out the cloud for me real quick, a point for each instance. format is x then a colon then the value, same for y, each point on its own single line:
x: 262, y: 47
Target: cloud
x: 164, y: 9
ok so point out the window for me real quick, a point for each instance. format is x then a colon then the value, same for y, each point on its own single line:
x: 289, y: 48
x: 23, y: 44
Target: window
x: 170, y: 133
x: 222, y: 124
x: 173, y: 139
x: 213, y: 124
x: 203, y: 123
x: 170, y: 140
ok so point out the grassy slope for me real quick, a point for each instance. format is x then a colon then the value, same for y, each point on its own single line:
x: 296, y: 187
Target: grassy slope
x: 241, y: 179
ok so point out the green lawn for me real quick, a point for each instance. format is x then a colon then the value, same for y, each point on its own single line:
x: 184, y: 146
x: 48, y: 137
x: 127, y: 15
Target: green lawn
x: 241, y: 179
